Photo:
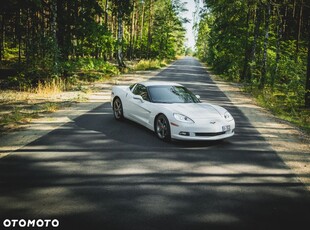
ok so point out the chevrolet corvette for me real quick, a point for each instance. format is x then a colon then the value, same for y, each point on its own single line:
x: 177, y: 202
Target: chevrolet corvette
x: 171, y: 111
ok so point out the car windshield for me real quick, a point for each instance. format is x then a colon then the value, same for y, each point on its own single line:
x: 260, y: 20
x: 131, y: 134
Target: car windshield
x: 171, y: 94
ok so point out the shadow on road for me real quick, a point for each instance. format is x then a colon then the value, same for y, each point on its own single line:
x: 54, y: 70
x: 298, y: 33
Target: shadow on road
x: 97, y: 173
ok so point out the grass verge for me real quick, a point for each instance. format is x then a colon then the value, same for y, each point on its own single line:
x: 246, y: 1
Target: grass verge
x: 14, y: 116
x: 283, y: 106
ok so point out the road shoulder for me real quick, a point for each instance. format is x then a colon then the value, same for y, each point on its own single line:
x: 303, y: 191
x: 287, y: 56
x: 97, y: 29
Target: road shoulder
x: 39, y: 127
x: 290, y: 144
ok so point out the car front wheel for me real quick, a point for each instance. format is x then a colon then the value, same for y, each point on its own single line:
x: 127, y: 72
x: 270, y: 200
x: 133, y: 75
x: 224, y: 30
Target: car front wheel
x: 118, y: 109
x: 162, y: 128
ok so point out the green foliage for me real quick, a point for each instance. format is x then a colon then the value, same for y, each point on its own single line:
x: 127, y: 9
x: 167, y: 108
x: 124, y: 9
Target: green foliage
x: 243, y: 41
x: 169, y: 34
x: 150, y: 64
x: 10, y: 53
x: 81, y: 38
x: 88, y: 69
x: 285, y: 105
x: 189, y: 51
x: 90, y: 64
x: 19, y: 82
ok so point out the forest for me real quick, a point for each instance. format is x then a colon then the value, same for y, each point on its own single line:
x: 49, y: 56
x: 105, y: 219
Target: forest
x: 263, y: 44
x: 44, y: 39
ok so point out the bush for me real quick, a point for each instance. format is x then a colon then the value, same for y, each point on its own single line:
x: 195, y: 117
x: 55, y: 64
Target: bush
x: 150, y: 64
x: 89, y: 64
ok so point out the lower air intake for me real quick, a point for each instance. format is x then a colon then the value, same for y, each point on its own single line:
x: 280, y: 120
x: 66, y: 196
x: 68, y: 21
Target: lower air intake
x: 209, y: 134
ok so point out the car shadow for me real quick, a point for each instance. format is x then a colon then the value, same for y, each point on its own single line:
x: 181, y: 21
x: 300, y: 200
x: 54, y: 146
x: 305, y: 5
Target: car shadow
x: 126, y: 131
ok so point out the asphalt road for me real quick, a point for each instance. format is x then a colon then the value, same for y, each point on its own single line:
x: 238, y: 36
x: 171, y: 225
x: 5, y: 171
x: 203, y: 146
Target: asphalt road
x: 97, y: 173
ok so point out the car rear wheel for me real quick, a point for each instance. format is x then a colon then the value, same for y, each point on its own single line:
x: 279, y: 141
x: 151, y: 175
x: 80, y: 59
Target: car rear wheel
x: 118, y: 109
x: 162, y: 128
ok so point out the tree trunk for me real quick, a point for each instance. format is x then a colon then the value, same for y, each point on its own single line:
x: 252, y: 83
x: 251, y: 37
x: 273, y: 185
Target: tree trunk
x: 149, y: 35
x: 130, y: 53
x: 264, y: 61
x: 27, y: 38
x: 285, y: 19
x: 2, y: 37
x: 141, y: 28
x: 244, y: 74
x: 54, y: 36
x: 307, y: 95
x: 278, y: 49
x: 258, y: 18
x: 74, y: 30
x: 299, y: 24
x: 120, y: 58
x: 135, y: 34
x: 61, y: 28
x: 19, y: 37
x: 106, y: 13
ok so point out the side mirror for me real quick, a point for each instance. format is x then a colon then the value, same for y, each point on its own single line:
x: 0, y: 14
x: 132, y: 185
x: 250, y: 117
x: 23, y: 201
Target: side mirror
x: 138, y: 97
x: 197, y: 96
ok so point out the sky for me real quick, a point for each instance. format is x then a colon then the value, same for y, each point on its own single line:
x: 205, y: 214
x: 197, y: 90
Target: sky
x: 189, y: 26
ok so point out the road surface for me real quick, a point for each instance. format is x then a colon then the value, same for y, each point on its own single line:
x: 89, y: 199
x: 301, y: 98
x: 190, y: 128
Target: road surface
x: 97, y: 173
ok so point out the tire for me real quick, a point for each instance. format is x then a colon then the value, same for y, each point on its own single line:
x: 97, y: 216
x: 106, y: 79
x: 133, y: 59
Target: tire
x: 162, y: 128
x: 118, y: 109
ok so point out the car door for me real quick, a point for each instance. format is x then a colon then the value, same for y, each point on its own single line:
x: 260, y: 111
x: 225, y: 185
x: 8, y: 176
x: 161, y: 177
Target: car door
x: 138, y: 105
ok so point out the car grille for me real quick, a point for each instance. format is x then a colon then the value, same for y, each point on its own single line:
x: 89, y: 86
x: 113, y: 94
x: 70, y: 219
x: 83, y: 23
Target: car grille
x: 209, y: 134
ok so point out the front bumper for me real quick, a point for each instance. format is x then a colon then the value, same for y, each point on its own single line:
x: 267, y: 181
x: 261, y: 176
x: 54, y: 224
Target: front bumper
x: 202, y: 130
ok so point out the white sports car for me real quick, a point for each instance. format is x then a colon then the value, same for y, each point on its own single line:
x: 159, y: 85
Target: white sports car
x: 172, y: 111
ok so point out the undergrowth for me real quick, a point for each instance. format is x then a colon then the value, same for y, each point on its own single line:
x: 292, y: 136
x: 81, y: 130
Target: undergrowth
x: 283, y: 101
x: 150, y: 64
x: 49, y: 87
x: 287, y: 106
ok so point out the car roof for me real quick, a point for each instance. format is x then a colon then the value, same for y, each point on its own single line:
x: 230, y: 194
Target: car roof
x: 155, y: 83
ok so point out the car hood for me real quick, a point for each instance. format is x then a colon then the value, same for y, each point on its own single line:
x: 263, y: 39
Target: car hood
x: 194, y: 110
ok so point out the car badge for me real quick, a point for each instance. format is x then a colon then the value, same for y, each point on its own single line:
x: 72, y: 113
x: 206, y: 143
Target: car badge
x: 212, y: 122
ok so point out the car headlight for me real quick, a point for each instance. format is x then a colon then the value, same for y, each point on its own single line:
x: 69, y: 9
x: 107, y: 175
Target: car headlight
x: 182, y: 118
x: 228, y: 116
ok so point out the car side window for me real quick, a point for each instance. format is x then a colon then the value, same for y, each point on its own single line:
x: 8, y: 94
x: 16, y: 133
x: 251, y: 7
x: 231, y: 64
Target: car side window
x: 131, y: 86
x: 142, y: 91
